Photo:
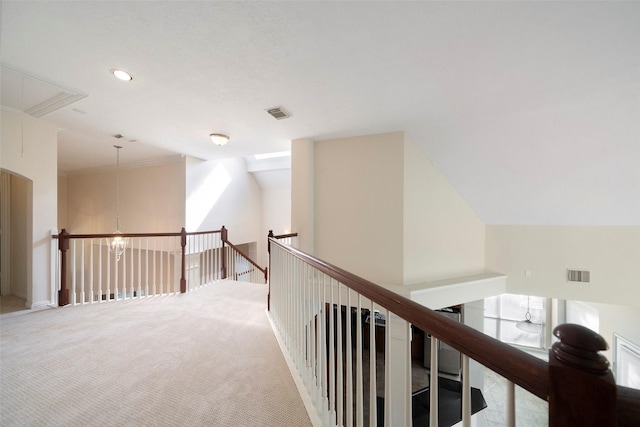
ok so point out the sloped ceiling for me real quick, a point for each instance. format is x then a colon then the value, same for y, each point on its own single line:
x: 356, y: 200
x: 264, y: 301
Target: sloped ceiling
x: 530, y: 109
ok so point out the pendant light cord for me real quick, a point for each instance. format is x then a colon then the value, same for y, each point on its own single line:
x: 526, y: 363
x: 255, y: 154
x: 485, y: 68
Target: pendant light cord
x: 118, y: 147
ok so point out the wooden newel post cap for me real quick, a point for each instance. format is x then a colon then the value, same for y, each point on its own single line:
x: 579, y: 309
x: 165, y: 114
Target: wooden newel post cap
x: 579, y: 347
x: 63, y: 240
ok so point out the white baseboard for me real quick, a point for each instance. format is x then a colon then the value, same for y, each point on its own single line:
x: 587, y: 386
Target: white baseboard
x: 39, y: 305
x: 316, y: 421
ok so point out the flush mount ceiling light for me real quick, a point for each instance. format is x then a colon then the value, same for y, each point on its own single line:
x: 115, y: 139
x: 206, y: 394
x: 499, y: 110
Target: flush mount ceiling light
x: 219, y: 138
x: 122, y: 75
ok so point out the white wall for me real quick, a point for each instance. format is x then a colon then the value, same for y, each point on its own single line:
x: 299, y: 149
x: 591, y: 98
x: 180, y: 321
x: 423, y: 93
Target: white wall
x: 302, y: 193
x: 443, y: 237
x: 151, y: 199
x: 383, y: 211
x: 276, y: 216
x: 222, y: 192
x: 610, y: 253
x: 358, y: 205
x: 62, y: 202
x: 29, y: 147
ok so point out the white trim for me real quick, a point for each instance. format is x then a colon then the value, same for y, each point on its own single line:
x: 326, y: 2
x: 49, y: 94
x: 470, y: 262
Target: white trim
x: 631, y: 347
x: 40, y: 305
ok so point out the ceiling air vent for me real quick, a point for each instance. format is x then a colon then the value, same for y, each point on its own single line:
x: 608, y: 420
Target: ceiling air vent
x: 578, y: 276
x: 278, y: 113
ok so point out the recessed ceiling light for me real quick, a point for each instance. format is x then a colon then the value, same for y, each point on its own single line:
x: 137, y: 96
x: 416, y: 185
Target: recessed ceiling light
x: 272, y: 155
x: 122, y: 75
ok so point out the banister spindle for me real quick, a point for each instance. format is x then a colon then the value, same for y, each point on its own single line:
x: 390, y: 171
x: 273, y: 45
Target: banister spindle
x: 582, y: 390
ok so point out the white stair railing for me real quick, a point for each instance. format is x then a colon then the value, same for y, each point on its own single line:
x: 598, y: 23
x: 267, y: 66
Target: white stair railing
x: 331, y: 323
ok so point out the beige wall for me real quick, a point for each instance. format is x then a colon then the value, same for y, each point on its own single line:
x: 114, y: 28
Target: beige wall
x: 151, y: 199
x: 610, y: 253
x: 618, y: 319
x: 443, y: 237
x: 358, y: 205
x: 29, y: 148
x: 382, y: 210
x: 62, y: 202
x: 276, y: 216
x: 302, y: 193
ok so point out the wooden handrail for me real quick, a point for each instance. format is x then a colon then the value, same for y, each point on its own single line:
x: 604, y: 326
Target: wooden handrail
x: 284, y: 236
x: 103, y: 235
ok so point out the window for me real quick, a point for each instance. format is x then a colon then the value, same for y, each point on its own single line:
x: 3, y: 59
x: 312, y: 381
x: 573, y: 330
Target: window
x: 627, y: 362
x: 503, y: 312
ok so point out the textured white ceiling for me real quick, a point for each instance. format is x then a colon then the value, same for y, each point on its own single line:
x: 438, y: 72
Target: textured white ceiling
x: 530, y: 109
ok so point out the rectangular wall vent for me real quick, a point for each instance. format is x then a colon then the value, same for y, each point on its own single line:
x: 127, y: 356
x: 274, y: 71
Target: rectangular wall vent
x: 278, y: 113
x: 578, y: 276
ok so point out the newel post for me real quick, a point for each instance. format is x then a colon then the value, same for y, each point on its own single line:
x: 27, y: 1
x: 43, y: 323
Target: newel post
x: 183, y: 243
x: 269, y: 237
x: 582, y: 391
x: 223, y: 237
x: 63, y: 247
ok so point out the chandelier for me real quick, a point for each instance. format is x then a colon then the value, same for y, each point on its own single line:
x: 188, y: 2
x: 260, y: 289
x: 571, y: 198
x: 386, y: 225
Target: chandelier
x: 117, y: 243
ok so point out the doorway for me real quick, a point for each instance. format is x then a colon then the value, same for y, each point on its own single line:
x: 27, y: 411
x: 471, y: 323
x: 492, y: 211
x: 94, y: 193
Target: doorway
x: 15, y: 232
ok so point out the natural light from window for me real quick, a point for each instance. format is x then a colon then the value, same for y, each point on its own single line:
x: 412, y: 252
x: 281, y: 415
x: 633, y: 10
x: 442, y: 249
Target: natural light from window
x: 204, y: 198
x: 502, y: 313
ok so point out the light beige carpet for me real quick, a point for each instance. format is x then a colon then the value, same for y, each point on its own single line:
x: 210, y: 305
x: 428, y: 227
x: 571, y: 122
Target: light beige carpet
x: 205, y: 358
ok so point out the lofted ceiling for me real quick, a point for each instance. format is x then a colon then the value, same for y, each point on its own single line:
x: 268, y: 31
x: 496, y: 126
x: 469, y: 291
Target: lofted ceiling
x: 530, y: 109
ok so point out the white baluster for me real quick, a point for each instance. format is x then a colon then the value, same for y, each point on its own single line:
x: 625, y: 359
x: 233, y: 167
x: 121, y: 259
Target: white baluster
x: 349, y: 361
x: 124, y: 273
x: 323, y: 359
x: 359, y: 368
x: 388, y: 403
x: 73, y: 275
x: 82, y: 273
x: 373, y: 411
x: 155, y: 289
x: 91, y: 280
x: 139, y: 267
x: 340, y: 355
x: 332, y: 354
x: 161, y: 256
x: 466, y: 392
x: 131, y: 270
x: 100, y: 270
x: 115, y: 283
x: 511, y: 404
x: 433, y: 384
x: 146, y: 269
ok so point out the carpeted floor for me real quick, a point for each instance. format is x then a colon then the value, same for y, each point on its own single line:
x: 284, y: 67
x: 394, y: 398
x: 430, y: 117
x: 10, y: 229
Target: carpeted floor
x: 205, y: 358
